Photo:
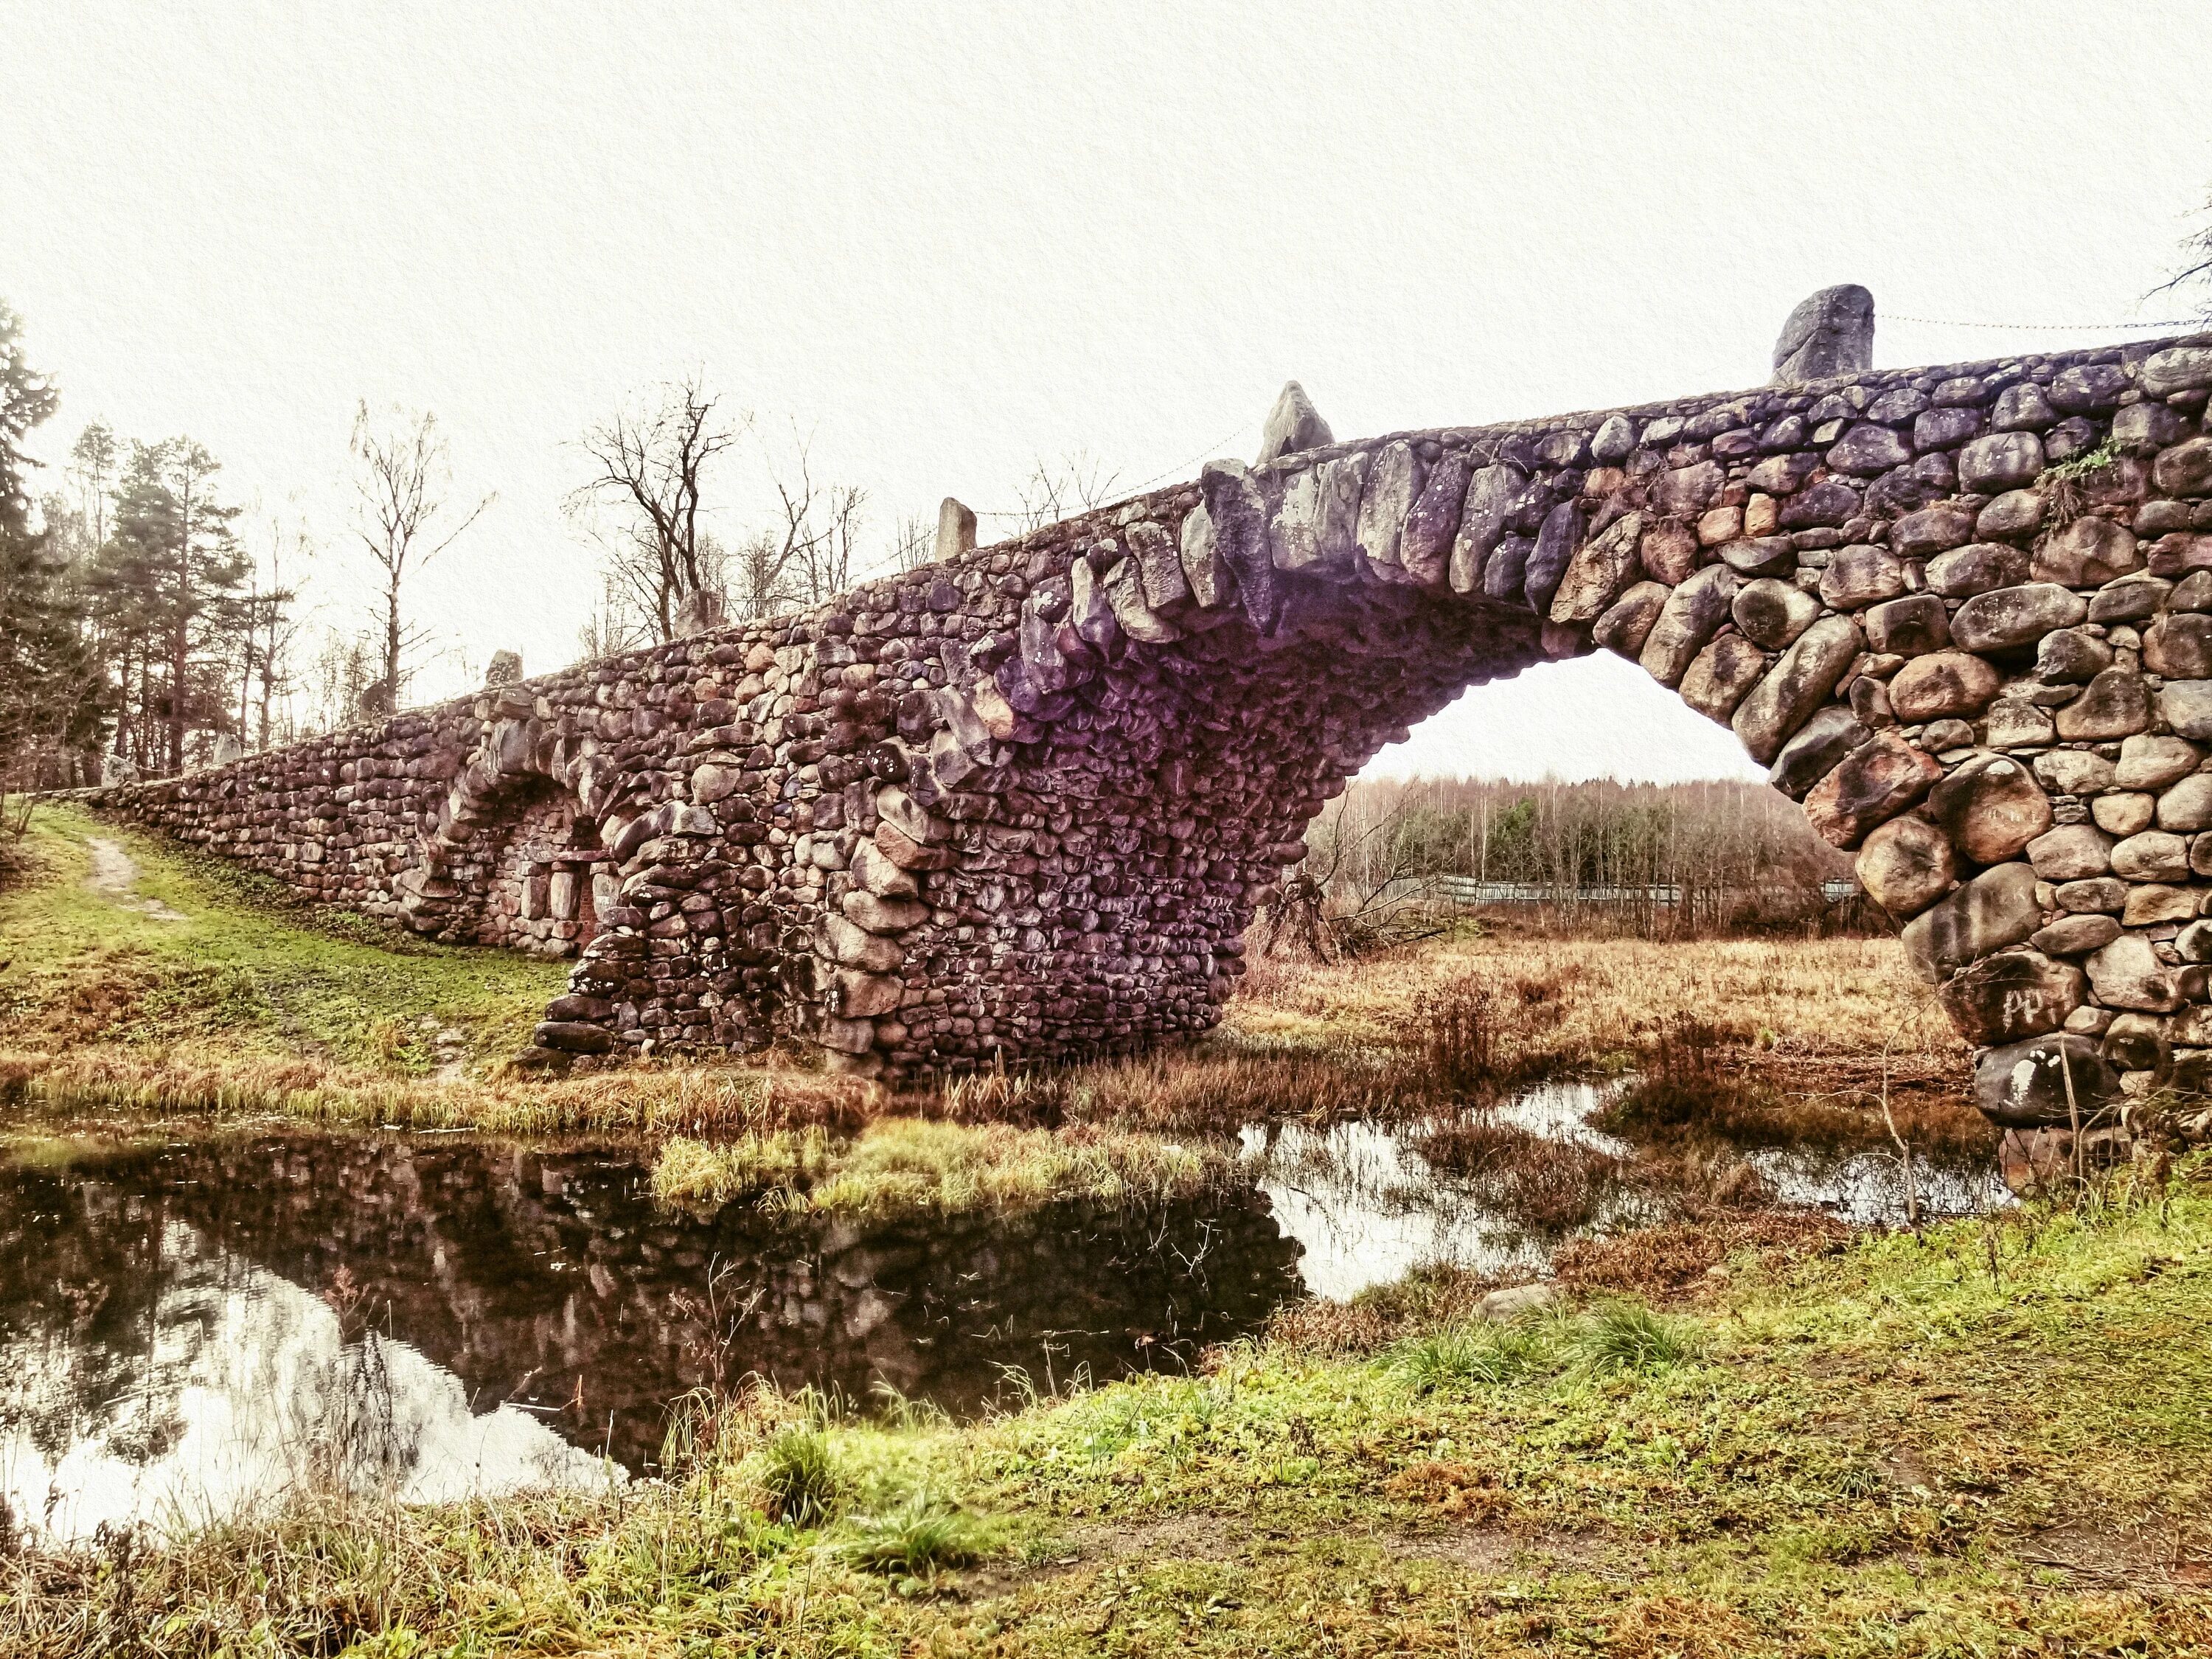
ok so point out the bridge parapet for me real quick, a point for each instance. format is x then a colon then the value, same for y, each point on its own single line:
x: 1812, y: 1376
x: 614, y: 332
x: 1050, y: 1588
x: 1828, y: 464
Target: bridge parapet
x: 1021, y: 805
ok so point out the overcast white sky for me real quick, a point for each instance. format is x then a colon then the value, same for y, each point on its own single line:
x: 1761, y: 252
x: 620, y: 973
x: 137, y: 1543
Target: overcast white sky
x: 949, y: 241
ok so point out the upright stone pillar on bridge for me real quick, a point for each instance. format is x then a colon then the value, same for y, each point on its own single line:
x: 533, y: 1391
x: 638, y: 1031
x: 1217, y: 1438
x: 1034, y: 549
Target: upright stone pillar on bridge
x: 1019, y: 805
x: 956, y: 531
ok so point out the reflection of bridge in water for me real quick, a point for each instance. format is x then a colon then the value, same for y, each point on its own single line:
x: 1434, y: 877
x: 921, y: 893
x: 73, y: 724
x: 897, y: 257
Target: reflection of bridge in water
x: 549, y: 1279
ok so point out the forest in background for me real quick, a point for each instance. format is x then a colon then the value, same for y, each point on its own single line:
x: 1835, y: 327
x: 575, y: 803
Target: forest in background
x: 1657, y: 860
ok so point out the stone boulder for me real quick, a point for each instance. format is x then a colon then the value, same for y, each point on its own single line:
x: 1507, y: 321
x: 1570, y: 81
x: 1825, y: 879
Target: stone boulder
x: 2074, y: 772
x: 1980, y: 567
x: 2044, y: 1080
x: 2075, y: 935
x: 1996, y: 908
x: 2186, y: 469
x: 2014, y: 994
x: 2007, y: 618
x: 2154, y: 855
x: 1600, y: 571
x: 2115, y: 704
x: 2073, y: 852
x: 2002, y: 460
x: 1717, y: 681
x: 1906, y: 866
x: 1908, y: 628
x: 1942, y: 684
x: 1691, y: 614
x: 1292, y: 425
x: 1830, y: 332
x: 2179, y: 646
x: 2153, y: 763
x: 2186, y: 706
x: 1874, y: 783
x: 2071, y: 656
x: 1820, y: 745
x: 1628, y: 621
x: 2087, y: 553
x: 2127, y: 973
x: 1801, y: 680
x: 1991, y: 808
x: 2187, y: 807
x: 1858, y: 576
x: 1772, y: 613
x: 2131, y: 599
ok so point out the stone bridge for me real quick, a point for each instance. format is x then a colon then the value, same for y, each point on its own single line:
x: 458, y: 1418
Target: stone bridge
x: 1020, y: 805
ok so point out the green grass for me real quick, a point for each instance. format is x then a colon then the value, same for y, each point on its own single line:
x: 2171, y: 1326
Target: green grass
x: 1991, y: 1438
x: 905, y: 1167
x: 246, y: 976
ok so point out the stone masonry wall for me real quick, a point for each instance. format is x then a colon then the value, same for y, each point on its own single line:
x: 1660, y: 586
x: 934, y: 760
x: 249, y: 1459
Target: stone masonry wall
x: 1021, y: 805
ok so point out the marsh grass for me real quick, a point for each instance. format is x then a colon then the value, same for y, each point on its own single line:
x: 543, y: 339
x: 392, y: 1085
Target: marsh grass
x: 1475, y: 1352
x: 1618, y: 1336
x: 800, y: 1473
x: 1693, y: 1080
x: 903, y: 1167
x: 919, y: 1539
x: 1547, y: 1184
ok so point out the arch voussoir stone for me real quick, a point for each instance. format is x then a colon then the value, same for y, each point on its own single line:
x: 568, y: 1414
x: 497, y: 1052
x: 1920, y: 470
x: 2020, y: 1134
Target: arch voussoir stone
x: 1020, y: 805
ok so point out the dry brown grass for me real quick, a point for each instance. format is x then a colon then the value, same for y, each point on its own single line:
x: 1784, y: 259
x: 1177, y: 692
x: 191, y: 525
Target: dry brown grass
x: 651, y: 1099
x: 1815, y: 1024
x: 1665, y: 1262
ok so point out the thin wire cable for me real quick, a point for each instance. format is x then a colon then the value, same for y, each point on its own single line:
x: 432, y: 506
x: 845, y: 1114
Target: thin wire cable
x: 1177, y: 470
x: 2043, y: 328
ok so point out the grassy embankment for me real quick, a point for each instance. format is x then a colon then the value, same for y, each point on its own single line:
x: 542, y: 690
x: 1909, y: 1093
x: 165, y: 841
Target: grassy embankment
x: 1995, y: 1437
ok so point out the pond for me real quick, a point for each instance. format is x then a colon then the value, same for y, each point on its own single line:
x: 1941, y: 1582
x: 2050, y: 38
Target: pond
x: 185, y: 1323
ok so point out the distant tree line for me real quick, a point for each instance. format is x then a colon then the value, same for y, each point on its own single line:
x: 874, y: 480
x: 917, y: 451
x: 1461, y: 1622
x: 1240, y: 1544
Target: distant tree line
x: 1657, y: 859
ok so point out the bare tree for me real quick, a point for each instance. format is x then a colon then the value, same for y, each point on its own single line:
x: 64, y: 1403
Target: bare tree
x: 271, y: 634
x: 914, y: 543
x: 401, y: 473
x: 1077, y: 483
x: 650, y: 463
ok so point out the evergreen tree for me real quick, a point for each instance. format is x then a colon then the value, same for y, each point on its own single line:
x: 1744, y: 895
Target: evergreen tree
x: 169, y: 580
x: 47, y: 686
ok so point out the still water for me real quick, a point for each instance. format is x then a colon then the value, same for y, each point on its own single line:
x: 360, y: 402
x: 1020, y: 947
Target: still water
x: 184, y: 1324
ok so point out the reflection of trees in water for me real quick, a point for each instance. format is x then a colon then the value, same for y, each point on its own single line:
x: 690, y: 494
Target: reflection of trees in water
x: 549, y: 1279
x: 110, y: 1310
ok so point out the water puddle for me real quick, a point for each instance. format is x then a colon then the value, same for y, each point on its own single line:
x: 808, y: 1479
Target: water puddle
x: 186, y: 1324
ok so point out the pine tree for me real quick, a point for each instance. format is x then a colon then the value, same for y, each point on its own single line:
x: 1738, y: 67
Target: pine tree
x: 47, y: 686
x: 169, y: 580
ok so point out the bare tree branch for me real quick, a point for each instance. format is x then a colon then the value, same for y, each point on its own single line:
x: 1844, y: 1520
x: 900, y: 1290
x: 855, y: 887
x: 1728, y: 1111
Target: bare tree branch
x: 651, y: 461
x: 401, y: 470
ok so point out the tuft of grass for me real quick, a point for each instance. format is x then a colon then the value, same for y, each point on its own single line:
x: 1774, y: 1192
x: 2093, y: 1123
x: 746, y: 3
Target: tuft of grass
x: 1474, y: 1352
x: 1622, y: 1336
x: 919, y: 1539
x: 799, y: 1473
x: 1545, y: 1184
